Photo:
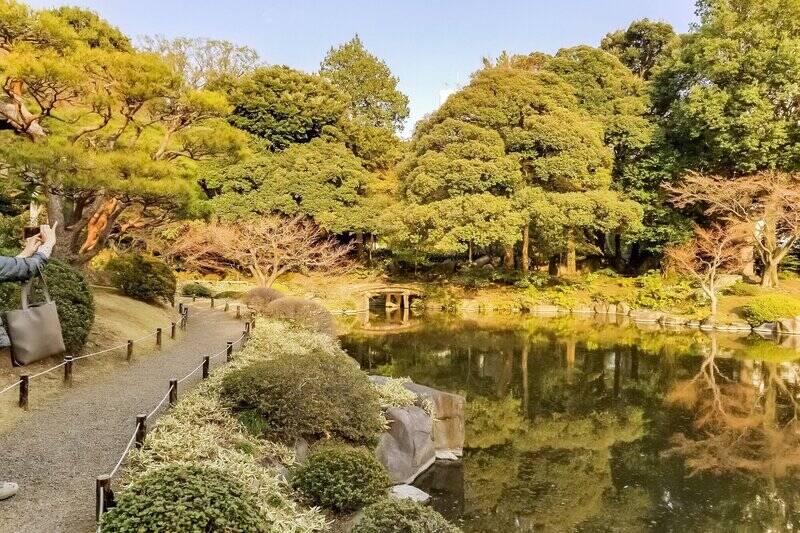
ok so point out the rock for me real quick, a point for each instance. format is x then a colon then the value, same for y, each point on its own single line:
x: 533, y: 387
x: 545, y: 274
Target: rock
x: 789, y: 326
x: 693, y: 324
x: 448, y: 427
x: 582, y: 310
x: 409, y: 492
x: 600, y: 308
x: 283, y: 473
x: 708, y: 323
x: 547, y: 310
x: 443, y: 455
x: 612, y: 309
x: 407, y: 449
x: 672, y: 320
x: 483, y: 260
x: 769, y: 328
x: 646, y: 315
x: 300, y: 449
x: 623, y: 309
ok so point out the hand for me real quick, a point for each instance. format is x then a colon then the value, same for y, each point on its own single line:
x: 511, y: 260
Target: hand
x: 48, y: 235
x: 32, y: 244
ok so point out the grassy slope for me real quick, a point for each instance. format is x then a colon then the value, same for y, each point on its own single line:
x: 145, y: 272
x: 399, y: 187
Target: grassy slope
x: 117, y: 319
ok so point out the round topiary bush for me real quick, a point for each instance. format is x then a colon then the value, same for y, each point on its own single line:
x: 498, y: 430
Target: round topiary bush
x: 307, y: 313
x: 770, y: 307
x: 260, y: 297
x: 341, y: 478
x: 143, y: 277
x: 181, y: 498
x: 229, y: 295
x: 402, y: 516
x: 195, y: 289
x: 312, y: 395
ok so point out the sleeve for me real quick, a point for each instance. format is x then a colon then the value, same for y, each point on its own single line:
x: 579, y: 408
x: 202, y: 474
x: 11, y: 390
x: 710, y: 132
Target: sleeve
x: 21, y: 269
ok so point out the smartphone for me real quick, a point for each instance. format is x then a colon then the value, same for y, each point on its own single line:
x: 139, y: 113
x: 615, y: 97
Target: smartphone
x: 29, y: 232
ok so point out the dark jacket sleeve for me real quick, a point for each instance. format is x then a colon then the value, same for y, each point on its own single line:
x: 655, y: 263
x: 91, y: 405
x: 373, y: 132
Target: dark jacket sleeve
x: 21, y: 269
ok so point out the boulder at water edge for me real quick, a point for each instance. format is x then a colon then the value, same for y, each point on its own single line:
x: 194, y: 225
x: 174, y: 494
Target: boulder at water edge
x: 407, y: 448
x: 789, y: 326
x: 409, y: 492
x: 449, y: 425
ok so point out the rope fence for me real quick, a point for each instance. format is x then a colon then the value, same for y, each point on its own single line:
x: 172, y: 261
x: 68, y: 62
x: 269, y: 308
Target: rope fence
x: 104, y: 494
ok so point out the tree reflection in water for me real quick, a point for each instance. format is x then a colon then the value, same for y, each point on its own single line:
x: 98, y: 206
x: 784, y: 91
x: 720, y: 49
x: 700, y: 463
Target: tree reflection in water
x: 584, y: 426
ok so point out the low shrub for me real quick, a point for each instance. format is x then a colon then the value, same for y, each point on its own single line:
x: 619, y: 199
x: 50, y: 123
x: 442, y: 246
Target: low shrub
x: 741, y: 288
x: 195, y: 289
x: 260, y: 297
x: 183, y: 498
x: 312, y: 394
x: 655, y: 292
x: 74, y: 301
x: 341, y: 478
x: 143, y: 277
x: 304, y: 312
x: 770, y: 307
x: 229, y: 295
x: 402, y: 516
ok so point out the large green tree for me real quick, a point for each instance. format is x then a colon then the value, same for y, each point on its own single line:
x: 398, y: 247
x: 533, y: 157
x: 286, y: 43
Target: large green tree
x: 641, y: 45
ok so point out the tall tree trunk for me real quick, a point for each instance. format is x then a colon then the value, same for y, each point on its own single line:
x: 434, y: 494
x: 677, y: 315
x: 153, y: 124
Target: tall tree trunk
x: 526, y: 243
x: 552, y: 267
x: 570, y: 258
x: 769, y: 278
x: 618, y: 261
x: 508, y: 258
x: 714, y: 301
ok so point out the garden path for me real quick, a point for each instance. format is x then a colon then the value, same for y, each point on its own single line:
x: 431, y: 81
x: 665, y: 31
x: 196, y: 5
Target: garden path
x: 56, y: 451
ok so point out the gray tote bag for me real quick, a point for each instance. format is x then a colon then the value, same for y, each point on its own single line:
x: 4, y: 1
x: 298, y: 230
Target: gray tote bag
x: 34, y: 330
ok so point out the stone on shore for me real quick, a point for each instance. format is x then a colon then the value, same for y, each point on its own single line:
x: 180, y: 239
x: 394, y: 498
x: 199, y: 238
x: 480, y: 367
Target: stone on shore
x: 646, y: 315
x: 789, y: 326
x: 409, y: 492
x: 407, y: 448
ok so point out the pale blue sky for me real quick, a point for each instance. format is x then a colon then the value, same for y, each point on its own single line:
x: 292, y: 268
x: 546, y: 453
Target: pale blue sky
x: 429, y: 44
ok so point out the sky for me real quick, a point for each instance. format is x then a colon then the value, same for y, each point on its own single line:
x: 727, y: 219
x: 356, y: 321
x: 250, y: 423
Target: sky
x: 430, y: 45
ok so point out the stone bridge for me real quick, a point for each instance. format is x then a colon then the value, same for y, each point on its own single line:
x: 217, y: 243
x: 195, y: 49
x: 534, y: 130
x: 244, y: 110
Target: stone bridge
x: 389, y: 296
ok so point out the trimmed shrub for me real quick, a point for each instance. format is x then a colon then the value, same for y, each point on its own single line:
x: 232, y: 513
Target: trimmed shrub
x: 311, y: 394
x: 341, y: 478
x: 304, y: 312
x: 195, y: 289
x: 771, y: 307
x: 743, y: 289
x: 232, y: 295
x: 143, y: 277
x: 180, y: 498
x: 402, y: 516
x: 73, y: 298
x: 260, y: 297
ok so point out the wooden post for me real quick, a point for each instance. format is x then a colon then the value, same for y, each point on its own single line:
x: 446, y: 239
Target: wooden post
x: 130, y: 351
x: 226, y: 307
x: 24, y: 387
x: 206, y: 365
x: 102, y: 495
x: 194, y: 298
x: 141, y: 431
x: 238, y: 311
x: 246, y: 330
x: 172, y: 331
x: 173, y: 392
x: 68, y: 370
x: 212, y: 302
x: 158, y: 338
x: 229, y: 351
x: 180, y: 308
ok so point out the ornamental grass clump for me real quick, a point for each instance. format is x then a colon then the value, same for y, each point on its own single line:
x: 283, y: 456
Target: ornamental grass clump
x: 341, y: 478
x: 402, y: 516
x: 313, y: 395
x: 186, y: 498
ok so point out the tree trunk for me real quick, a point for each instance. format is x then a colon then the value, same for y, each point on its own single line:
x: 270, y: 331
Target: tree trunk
x: 552, y: 267
x: 526, y: 243
x: 769, y: 278
x: 570, y: 259
x: 469, y: 253
x: 713, y: 297
x: 508, y: 258
x: 618, y: 261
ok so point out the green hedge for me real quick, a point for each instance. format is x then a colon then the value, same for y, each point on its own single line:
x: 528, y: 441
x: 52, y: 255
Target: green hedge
x: 771, y: 307
x: 180, y: 498
x: 306, y: 313
x: 143, y: 277
x: 311, y: 394
x: 341, y: 478
x: 402, y: 516
x: 195, y: 289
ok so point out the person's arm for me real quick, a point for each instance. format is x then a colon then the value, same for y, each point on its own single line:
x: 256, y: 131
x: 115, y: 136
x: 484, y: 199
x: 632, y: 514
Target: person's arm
x: 25, y: 266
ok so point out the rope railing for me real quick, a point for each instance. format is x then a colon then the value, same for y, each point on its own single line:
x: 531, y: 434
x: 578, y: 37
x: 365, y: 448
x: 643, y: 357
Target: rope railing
x: 103, y: 491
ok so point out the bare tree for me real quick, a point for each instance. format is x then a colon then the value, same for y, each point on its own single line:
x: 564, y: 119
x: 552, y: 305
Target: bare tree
x: 267, y: 247
x: 708, y: 255
x: 768, y: 203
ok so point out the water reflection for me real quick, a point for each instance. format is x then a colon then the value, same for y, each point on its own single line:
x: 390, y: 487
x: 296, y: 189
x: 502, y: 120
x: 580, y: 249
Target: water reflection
x: 575, y: 425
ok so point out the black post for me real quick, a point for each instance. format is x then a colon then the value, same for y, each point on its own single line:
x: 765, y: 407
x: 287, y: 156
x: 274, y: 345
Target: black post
x: 23, y: 391
x: 103, y: 494
x: 212, y: 302
x: 130, y: 351
x: 180, y: 308
x: 172, y: 331
x: 173, y: 392
x: 206, y: 365
x: 229, y: 351
x: 194, y: 298
x: 68, y: 370
x: 246, y: 330
x: 158, y: 338
x: 226, y: 307
x: 238, y: 311
x: 141, y: 430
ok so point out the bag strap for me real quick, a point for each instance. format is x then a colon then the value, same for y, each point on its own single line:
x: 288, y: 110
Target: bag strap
x: 26, y: 289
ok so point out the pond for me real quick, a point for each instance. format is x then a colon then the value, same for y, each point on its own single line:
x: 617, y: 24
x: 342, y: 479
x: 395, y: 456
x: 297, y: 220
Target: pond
x: 579, y: 425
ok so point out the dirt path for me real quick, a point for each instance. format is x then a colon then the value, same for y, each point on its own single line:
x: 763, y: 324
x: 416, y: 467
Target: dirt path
x: 56, y: 452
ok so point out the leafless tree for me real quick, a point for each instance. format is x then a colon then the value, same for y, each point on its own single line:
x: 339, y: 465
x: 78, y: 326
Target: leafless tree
x: 767, y: 202
x: 708, y: 255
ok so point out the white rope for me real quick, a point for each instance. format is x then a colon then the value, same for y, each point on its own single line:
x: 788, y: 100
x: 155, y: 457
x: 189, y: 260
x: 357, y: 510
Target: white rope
x: 117, y: 347
x: 184, y: 378
x: 157, y: 407
x: 48, y: 370
x: 125, y: 453
x: 10, y: 387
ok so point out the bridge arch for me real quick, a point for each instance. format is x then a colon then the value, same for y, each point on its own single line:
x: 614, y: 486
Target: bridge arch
x: 389, y: 296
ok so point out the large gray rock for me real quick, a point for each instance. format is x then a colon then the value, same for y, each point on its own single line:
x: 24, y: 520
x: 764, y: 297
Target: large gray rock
x: 409, y: 492
x: 623, y: 309
x: 600, y: 308
x: 767, y: 328
x: 672, y: 320
x: 582, y: 310
x: 789, y: 326
x: 407, y: 448
x: 546, y: 310
x: 449, y: 425
x: 646, y: 315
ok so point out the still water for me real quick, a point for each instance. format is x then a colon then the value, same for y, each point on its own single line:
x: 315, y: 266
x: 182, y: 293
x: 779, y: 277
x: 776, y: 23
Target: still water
x: 579, y: 425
